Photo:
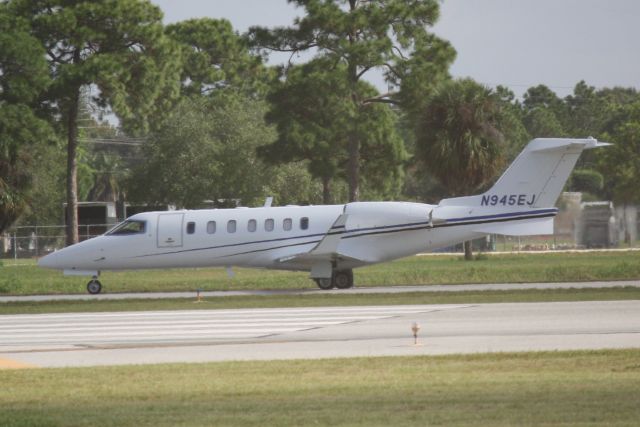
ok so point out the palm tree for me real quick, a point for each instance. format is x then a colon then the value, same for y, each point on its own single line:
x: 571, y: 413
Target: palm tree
x: 14, y: 181
x: 106, y: 186
x: 459, y: 138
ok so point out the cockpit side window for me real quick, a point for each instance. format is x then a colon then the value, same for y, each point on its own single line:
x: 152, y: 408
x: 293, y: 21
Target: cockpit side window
x: 128, y: 227
x: 191, y: 227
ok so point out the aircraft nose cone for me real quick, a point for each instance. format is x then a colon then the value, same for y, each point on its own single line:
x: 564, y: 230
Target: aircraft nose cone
x: 50, y: 261
x: 79, y: 257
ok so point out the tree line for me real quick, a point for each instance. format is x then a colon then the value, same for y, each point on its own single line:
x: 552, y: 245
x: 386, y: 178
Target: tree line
x: 204, y: 119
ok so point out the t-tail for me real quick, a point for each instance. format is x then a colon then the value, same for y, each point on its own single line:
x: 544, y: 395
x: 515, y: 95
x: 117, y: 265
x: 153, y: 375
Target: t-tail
x: 524, y: 197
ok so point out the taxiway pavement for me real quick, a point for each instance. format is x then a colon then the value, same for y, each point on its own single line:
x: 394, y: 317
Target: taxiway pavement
x: 90, y: 339
x: 311, y: 291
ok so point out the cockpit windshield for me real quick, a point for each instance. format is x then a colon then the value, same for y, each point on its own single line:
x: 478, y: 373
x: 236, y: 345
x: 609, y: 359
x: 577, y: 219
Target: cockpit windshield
x: 130, y: 226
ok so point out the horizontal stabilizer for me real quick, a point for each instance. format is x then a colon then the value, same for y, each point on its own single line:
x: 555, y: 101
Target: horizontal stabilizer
x: 568, y: 144
x: 530, y: 227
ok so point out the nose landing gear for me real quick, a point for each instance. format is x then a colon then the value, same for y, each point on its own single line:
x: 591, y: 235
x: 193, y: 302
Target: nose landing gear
x: 341, y: 279
x: 94, y: 286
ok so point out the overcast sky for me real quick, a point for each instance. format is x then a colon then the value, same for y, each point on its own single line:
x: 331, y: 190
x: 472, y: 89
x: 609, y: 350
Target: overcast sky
x: 517, y: 43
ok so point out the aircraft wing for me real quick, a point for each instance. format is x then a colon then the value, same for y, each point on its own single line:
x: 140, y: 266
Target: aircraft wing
x: 326, y: 250
x: 329, y: 243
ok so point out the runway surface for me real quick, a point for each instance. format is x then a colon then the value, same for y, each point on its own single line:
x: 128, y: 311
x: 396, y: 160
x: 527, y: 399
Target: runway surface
x: 311, y: 291
x: 55, y: 340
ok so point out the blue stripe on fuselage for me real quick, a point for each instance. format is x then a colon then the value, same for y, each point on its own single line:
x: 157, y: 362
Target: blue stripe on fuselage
x: 504, y: 215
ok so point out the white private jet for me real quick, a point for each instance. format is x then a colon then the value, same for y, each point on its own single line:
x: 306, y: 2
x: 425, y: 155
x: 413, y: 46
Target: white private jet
x: 330, y: 241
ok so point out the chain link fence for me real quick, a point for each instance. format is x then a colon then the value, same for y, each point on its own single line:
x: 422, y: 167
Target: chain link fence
x: 36, y: 241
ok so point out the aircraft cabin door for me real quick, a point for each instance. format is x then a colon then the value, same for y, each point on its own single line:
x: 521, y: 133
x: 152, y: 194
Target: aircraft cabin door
x: 170, y: 230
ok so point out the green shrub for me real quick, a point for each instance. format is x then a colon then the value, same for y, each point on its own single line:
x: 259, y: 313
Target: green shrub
x: 586, y: 181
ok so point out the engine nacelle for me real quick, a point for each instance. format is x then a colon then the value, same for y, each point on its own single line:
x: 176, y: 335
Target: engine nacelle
x: 381, y: 214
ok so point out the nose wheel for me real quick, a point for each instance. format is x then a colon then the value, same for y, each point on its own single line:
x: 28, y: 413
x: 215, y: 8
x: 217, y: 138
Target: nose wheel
x: 94, y: 287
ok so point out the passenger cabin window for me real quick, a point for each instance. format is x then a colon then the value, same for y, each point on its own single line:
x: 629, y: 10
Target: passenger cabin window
x: 252, y: 225
x: 304, y: 223
x: 191, y: 227
x: 211, y: 227
x: 268, y: 224
x: 231, y: 226
x: 287, y: 224
x: 130, y: 226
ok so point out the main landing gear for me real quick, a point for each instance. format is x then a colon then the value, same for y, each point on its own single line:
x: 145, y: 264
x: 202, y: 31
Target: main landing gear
x: 94, y: 286
x: 342, y: 279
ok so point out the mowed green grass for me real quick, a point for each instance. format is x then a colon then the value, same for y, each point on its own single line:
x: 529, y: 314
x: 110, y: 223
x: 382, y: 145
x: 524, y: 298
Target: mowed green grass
x: 322, y: 300
x: 418, y: 270
x: 551, y: 388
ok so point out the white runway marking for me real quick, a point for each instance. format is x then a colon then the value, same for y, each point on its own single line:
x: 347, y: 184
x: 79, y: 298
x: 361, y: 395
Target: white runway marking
x: 100, y: 329
x: 91, y: 339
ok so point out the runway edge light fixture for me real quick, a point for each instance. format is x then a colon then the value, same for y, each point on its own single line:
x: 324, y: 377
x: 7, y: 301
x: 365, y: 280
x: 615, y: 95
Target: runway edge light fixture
x: 415, y: 328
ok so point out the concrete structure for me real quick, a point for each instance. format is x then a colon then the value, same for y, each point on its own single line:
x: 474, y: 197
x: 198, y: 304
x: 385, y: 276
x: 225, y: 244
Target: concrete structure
x: 627, y: 223
x: 566, y: 223
x: 601, y: 224
x: 597, y: 225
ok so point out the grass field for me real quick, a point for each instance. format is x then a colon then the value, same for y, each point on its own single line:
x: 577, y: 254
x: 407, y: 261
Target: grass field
x: 556, y: 388
x: 333, y: 300
x: 419, y: 270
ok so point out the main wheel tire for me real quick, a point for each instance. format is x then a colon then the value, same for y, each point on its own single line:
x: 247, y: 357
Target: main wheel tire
x: 324, y: 284
x: 94, y: 287
x: 343, y: 279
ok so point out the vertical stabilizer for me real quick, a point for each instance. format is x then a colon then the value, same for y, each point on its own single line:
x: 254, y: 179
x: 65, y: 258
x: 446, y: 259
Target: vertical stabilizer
x: 536, y: 177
